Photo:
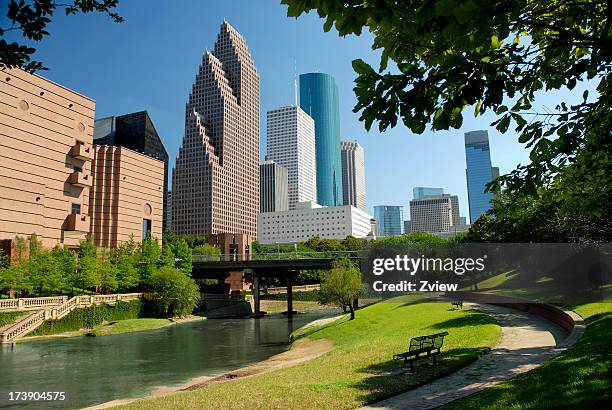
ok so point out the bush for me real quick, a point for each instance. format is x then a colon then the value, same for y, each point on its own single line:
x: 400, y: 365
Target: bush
x: 90, y: 317
x: 7, y: 318
x: 172, y: 292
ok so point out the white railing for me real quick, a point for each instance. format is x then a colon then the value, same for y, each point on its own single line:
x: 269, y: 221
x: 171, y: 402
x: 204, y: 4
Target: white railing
x: 299, y: 288
x: 53, y: 310
x: 30, y: 303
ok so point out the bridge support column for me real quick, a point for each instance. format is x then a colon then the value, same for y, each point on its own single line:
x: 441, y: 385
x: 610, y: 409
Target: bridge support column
x: 290, y: 294
x: 256, y: 303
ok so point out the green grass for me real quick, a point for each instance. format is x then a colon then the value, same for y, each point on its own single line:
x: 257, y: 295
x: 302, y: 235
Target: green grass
x: 127, y: 326
x: 581, y: 377
x: 277, y: 306
x: 358, y: 369
x: 6, y: 318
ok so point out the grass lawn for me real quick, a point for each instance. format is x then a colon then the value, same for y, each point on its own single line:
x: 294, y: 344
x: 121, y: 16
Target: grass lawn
x: 581, y: 377
x: 277, y: 306
x: 127, y: 326
x: 359, y: 369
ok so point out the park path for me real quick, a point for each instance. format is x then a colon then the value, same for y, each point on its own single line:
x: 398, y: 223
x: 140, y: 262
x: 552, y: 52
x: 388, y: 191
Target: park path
x: 526, y: 342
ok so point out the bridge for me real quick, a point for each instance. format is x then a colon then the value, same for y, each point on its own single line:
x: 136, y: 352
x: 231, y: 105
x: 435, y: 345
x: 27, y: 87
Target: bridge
x: 285, y: 265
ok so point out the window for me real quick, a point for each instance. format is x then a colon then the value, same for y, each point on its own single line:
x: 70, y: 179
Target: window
x: 76, y: 209
x: 146, y: 228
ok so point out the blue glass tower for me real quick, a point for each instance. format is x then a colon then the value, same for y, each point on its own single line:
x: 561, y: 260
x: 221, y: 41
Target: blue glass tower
x: 421, y: 191
x: 389, y: 220
x: 319, y: 99
x: 478, y: 172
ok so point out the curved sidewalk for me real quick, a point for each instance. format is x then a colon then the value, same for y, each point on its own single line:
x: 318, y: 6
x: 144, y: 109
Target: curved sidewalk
x: 527, y: 341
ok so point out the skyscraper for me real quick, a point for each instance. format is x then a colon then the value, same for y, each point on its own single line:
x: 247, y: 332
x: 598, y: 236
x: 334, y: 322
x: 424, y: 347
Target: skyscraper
x: 353, y: 174
x: 478, y: 172
x: 421, y: 191
x: 319, y: 98
x: 389, y: 220
x: 273, y: 185
x: 434, y: 213
x: 215, y: 183
x: 136, y: 132
x: 291, y: 143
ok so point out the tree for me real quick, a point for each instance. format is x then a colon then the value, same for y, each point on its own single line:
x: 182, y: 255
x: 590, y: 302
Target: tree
x: 66, y: 261
x: 43, y: 272
x: 342, y: 285
x: 350, y: 243
x: 167, y: 256
x: 445, y: 60
x: 86, y: 275
x: 107, y: 276
x: 12, y: 278
x: 173, y: 292
x: 150, y: 253
x: 125, y: 259
x: 183, y: 253
x: 30, y: 19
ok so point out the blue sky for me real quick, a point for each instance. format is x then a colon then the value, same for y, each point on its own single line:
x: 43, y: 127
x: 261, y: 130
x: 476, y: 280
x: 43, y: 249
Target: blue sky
x: 149, y: 62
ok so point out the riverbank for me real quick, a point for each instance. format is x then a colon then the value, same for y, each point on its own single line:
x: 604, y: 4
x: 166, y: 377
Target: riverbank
x: 116, y: 327
x: 357, y: 370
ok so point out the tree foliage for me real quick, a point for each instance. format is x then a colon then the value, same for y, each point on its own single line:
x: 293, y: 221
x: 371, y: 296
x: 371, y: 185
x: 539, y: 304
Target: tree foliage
x: 342, y: 285
x: 173, y: 292
x: 29, y: 19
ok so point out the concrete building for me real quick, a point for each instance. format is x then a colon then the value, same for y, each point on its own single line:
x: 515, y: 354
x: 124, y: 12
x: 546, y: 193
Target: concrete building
x: 128, y: 196
x: 319, y: 99
x: 434, y: 213
x: 309, y: 219
x: 273, y: 187
x: 136, y: 132
x: 46, y: 152
x: 168, y: 211
x: 421, y: 191
x: 215, y: 183
x: 291, y: 143
x: 353, y: 174
x: 407, y: 226
x: 478, y: 172
x: 389, y: 220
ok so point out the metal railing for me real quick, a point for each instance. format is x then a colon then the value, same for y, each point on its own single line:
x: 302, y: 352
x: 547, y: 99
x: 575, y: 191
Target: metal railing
x: 275, y: 256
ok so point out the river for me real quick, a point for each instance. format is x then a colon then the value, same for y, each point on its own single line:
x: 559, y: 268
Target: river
x: 93, y: 370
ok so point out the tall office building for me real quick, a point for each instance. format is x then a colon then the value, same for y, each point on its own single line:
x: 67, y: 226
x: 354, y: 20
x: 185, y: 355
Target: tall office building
x: 434, y: 213
x: 273, y: 183
x: 291, y: 143
x: 389, y: 220
x: 215, y: 183
x: 421, y: 191
x: 478, y: 172
x: 136, y: 132
x: 45, y: 160
x: 353, y: 174
x: 319, y: 98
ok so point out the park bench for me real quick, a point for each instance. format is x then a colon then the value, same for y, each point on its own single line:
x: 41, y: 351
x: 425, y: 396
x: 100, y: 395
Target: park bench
x: 457, y: 303
x: 422, y: 347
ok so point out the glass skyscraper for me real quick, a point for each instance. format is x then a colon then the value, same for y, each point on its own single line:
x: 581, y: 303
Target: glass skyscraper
x: 389, y: 220
x: 478, y: 172
x: 421, y: 191
x: 319, y: 99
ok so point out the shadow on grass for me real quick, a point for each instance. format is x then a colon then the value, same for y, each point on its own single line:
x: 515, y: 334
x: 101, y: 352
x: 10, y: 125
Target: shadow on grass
x: 391, y: 377
x: 471, y: 317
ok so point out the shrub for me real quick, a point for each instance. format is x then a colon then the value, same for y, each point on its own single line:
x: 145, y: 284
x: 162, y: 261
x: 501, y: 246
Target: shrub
x: 172, y: 292
x: 7, y: 318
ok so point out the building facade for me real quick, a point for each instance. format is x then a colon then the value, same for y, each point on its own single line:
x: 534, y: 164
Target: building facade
x: 309, y: 219
x: 136, y: 132
x: 353, y: 175
x: 46, y: 133
x: 478, y: 172
x: 291, y: 143
x: 273, y: 187
x: 421, y: 191
x: 319, y: 99
x: 215, y: 183
x: 128, y: 196
x: 389, y: 220
x: 434, y: 213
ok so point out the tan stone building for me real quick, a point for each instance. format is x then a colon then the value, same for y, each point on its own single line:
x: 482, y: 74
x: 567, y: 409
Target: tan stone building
x: 45, y: 159
x: 127, y: 198
x: 215, y: 183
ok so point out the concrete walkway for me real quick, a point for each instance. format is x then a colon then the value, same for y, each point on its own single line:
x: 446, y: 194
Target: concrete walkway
x: 526, y: 342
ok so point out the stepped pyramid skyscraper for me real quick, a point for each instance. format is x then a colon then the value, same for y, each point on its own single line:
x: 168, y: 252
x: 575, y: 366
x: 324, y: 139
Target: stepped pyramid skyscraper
x: 215, y: 183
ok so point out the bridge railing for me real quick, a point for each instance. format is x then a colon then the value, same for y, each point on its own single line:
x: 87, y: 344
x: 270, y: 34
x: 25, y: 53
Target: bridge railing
x: 275, y: 256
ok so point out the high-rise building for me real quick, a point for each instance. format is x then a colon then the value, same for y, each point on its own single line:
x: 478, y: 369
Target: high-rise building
x: 389, y: 220
x: 215, y: 183
x: 319, y: 98
x: 309, y: 219
x: 353, y: 174
x: 168, y: 211
x: 478, y: 172
x: 127, y: 198
x: 421, y: 191
x: 434, y: 213
x: 136, y: 132
x: 407, y: 226
x: 291, y: 143
x: 273, y: 195
x: 46, y: 152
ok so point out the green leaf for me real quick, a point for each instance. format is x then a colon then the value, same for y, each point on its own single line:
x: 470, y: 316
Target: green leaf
x: 361, y: 67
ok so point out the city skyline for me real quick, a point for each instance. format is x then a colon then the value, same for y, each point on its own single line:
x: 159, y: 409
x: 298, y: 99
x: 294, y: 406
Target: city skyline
x: 121, y: 88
